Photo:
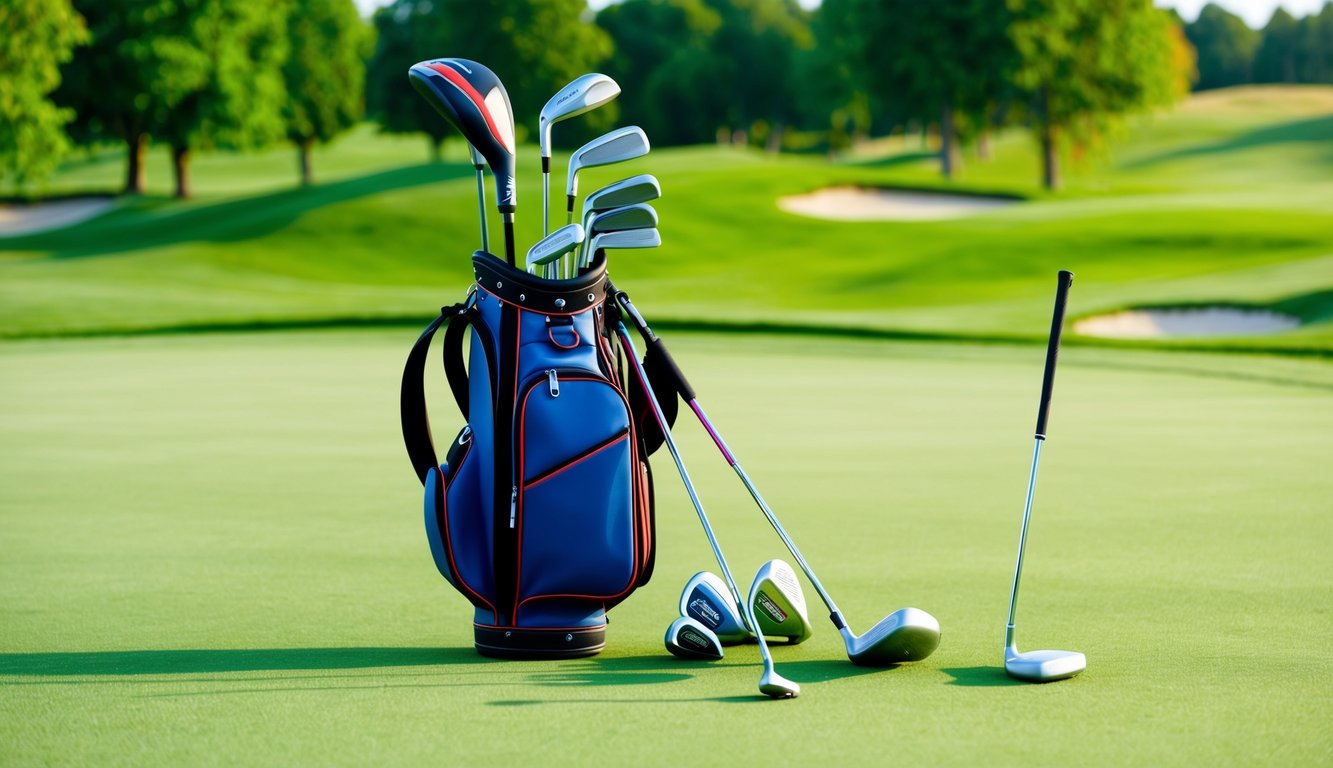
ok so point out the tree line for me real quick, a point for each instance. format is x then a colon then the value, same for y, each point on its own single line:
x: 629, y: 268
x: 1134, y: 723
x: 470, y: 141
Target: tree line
x: 233, y: 74
x: 1286, y: 50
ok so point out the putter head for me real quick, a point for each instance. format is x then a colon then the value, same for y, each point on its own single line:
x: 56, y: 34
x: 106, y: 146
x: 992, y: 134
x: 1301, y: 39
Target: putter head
x: 555, y: 245
x: 907, y: 634
x: 615, y: 147
x: 474, y: 101
x: 707, y: 600
x: 688, y: 639
x: 776, y: 686
x: 779, y: 603
x: 636, y: 189
x: 1043, y: 666
x: 583, y: 94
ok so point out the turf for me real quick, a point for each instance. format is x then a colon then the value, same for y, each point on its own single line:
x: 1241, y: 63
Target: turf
x: 213, y: 554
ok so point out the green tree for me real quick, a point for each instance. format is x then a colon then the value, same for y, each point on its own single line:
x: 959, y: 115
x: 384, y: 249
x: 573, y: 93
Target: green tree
x: 534, y: 46
x: 1275, y: 56
x: 39, y: 36
x: 1083, y: 63
x: 1225, y: 46
x: 324, y: 73
x: 1315, y: 61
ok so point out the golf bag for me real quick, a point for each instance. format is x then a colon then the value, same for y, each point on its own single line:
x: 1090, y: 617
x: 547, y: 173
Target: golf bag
x: 541, y: 514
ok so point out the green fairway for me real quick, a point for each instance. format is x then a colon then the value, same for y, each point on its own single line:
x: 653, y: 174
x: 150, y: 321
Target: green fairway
x: 213, y: 554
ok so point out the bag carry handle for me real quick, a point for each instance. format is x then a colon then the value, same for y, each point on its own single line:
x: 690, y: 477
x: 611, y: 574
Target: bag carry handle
x: 412, y: 395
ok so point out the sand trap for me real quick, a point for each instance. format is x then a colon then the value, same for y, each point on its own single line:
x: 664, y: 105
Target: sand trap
x: 862, y: 204
x: 1170, y: 323
x: 25, y: 219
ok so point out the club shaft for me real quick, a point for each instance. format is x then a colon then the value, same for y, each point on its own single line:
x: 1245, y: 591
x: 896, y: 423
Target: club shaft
x: 481, y: 209
x: 1022, y: 542
x: 509, y: 237
x: 546, y: 199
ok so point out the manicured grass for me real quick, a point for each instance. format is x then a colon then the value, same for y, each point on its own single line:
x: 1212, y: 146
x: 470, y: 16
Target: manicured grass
x: 1227, y: 200
x: 214, y: 555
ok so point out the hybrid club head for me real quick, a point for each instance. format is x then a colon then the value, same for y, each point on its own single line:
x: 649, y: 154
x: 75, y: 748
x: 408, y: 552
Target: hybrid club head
x: 707, y: 600
x: 643, y: 188
x: 689, y: 639
x: 474, y: 101
x: 583, y: 94
x: 617, y: 146
x: 779, y: 603
x: 1043, y: 666
x: 550, y: 248
x: 907, y: 634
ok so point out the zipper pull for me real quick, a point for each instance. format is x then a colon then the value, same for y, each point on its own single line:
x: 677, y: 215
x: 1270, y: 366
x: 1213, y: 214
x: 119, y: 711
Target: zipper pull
x: 553, y: 382
x: 513, y: 506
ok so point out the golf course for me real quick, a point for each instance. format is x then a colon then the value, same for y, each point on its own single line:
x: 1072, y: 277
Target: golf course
x: 213, y: 547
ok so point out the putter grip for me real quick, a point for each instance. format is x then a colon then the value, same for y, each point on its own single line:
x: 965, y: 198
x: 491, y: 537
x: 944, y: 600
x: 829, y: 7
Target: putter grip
x: 1063, y: 281
x: 678, y: 376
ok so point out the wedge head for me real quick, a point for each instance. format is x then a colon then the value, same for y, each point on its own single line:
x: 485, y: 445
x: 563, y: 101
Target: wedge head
x: 707, y: 600
x: 779, y: 603
x: 906, y: 635
x: 555, y: 245
x: 632, y: 238
x: 1043, y: 666
x: 688, y: 639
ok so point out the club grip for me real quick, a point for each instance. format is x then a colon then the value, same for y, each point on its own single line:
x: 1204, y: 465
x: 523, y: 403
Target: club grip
x: 1063, y: 281
x: 677, y: 375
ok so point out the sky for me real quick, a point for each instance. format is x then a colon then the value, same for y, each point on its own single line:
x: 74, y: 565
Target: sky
x: 1255, y: 12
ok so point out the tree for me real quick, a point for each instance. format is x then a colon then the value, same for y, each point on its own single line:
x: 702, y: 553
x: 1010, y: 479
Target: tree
x: 324, y: 73
x: 39, y: 36
x: 1275, y: 56
x: 534, y: 46
x: 1315, y: 62
x: 1225, y: 46
x: 1082, y: 63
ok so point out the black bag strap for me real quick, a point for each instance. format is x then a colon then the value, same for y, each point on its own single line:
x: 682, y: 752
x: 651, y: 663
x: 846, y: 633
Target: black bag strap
x: 412, y: 395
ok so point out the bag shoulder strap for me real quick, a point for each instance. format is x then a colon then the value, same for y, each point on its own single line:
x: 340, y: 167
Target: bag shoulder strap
x: 412, y: 395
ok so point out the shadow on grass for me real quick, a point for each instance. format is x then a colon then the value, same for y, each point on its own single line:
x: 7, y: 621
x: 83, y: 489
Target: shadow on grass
x: 1316, y: 130
x: 151, y: 223
x: 169, y: 662
x: 980, y: 677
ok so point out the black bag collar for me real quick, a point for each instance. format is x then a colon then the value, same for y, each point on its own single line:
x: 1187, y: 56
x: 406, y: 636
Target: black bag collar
x: 538, y: 293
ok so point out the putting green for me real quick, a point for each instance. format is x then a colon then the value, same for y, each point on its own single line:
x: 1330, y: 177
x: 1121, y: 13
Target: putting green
x: 213, y: 554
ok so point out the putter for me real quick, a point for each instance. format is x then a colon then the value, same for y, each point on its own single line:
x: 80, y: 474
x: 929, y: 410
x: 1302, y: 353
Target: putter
x: 583, y: 94
x: 1041, y: 666
x: 779, y: 603
x: 706, y: 600
x: 623, y: 219
x: 689, y: 639
x: 908, y: 634
x: 474, y: 101
x: 615, y: 147
x: 551, y: 248
x: 770, y: 682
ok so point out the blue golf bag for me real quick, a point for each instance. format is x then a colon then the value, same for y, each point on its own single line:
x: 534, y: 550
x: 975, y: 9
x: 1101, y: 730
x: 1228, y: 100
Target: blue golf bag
x: 541, y: 513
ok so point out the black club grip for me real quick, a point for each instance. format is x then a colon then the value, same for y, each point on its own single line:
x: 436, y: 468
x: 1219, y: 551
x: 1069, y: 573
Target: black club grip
x: 1063, y: 281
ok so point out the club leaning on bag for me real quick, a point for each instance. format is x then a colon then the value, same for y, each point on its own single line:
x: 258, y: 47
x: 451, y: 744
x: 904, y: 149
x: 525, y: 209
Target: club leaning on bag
x: 583, y: 94
x: 907, y: 634
x: 623, y: 219
x: 779, y: 603
x: 473, y: 99
x: 770, y: 682
x: 615, y: 147
x: 1041, y: 666
x: 689, y: 639
x: 706, y: 600
x: 553, y: 247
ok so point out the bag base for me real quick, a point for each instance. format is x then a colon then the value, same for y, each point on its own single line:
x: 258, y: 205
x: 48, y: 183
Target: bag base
x: 519, y: 643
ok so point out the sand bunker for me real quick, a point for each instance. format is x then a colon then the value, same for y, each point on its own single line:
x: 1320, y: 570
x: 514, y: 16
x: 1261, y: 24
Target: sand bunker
x: 1171, y: 323
x: 862, y: 204
x: 25, y: 219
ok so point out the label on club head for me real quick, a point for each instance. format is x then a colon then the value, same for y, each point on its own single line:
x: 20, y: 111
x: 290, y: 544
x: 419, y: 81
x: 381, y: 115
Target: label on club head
x: 692, y: 639
x: 771, y: 608
x: 702, y: 610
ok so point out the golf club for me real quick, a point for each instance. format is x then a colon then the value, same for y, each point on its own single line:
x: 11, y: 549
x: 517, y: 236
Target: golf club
x: 779, y: 603
x: 474, y: 100
x: 706, y: 600
x: 643, y: 188
x: 549, y: 249
x: 583, y: 94
x: 479, y: 163
x: 630, y: 238
x: 908, y: 634
x: 622, y: 219
x: 689, y: 639
x: 1041, y: 666
x: 615, y: 147
x: 770, y: 682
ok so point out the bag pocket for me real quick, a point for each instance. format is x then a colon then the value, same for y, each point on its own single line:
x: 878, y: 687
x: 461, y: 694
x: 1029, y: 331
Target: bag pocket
x: 578, y: 515
x: 458, y: 526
